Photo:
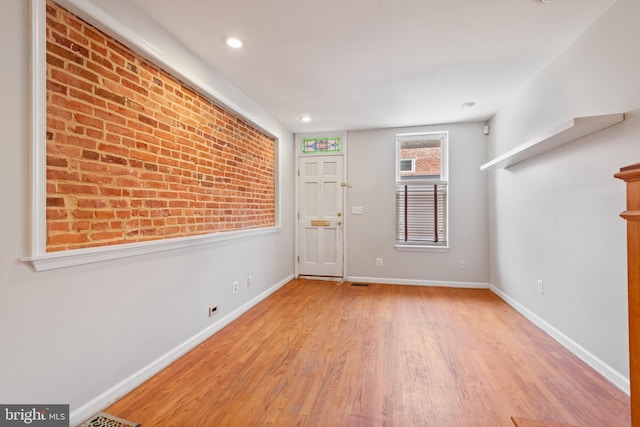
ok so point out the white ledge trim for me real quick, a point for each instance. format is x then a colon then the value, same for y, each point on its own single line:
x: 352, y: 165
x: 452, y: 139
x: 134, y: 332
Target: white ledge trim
x: 74, y: 257
x: 569, y: 131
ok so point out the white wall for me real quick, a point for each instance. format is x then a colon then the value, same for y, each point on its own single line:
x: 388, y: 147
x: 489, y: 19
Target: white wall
x: 70, y: 334
x: 555, y: 217
x: 371, y: 177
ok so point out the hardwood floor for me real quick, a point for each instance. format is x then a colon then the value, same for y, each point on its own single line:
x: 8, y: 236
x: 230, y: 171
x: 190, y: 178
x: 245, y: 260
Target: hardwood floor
x: 326, y: 354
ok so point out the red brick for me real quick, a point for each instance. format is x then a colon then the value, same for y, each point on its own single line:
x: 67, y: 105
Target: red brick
x: 55, y: 202
x: 84, y: 96
x: 92, y: 203
x: 119, y: 130
x: 94, y: 35
x: 106, y: 235
x: 99, y: 49
x: 135, y: 87
x: 142, y: 155
x: 72, y: 46
x: 53, y: 214
x: 64, y: 188
x: 82, y: 214
x: 94, y: 133
x: 105, y: 215
x: 62, y: 175
x: 108, y: 158
x: 115, y: 149
x: 100, y: 225
x: 57, y: 161
x: 111, y: 192
x: 64, y: 77
x: 78, y: 38
x: 54, y: 61
x: 60, y: 113
x: 98, y: 179
x: 93, y: 167
x: 66, y: 238
x: 121, y: 51
x: 89, y: 121
x: 107, y: 94
x: 58, y: 226
x: 72, y: 22
x: 103, y: 67
x: 148, y: 120
x: 72, y: 104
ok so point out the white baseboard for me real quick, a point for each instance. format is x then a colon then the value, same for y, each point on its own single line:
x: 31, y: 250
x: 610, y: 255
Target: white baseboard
x: 411, y: 282
x: 125, y: 386
x: 613, y: 376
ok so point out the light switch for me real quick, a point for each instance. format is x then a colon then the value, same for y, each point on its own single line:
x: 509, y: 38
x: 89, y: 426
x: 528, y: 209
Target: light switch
x: 356, y: 210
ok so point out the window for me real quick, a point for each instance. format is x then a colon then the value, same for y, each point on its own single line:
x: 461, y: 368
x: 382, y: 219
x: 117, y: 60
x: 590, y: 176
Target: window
x: 421, y: 189
x: 185, y: 82
x: 407, y: 165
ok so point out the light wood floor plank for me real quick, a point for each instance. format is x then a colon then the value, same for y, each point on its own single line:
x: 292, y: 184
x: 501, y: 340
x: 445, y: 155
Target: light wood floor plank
x: 325, y: 354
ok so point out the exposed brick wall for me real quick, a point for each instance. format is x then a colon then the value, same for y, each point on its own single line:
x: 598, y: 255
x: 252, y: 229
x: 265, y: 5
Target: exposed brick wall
x: 134, y: 155
x: 427, y: 160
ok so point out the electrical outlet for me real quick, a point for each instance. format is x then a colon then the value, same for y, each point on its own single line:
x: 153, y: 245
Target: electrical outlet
x: 540, y: 287
x: 213, y: 310
x: 378, y: 262
x: 235, y: 287
x: 462, y: 264
x: 249, y: 281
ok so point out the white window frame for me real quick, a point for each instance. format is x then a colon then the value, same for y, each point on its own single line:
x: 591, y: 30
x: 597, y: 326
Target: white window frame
x: 411, y: 169
x: 38, y: 257
x: 443, y: 137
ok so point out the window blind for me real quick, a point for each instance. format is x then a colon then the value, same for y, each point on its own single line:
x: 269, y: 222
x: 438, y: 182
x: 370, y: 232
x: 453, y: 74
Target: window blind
x: 421, y: 214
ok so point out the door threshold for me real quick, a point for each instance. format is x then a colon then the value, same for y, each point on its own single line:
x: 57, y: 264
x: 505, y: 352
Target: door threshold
x: 327, y: 278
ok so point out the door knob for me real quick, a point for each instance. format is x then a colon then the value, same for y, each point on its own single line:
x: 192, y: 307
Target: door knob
x: 339, y: 222
x: 339, y: 213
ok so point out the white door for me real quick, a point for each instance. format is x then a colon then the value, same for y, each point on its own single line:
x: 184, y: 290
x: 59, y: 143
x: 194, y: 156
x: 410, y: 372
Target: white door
x: 321, y: 216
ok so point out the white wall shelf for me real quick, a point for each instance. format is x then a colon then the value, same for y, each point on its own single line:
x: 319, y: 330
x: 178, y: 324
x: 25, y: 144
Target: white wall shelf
x: 568, y: 131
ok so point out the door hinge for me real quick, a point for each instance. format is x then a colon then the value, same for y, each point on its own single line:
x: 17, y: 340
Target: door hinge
x: 298, y: 216
x: 298, y: 172
x: 298, y: 259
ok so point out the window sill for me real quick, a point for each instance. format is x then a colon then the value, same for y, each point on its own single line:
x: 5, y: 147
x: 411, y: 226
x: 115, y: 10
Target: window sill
x: 74, y: 257
x: 421, y: 248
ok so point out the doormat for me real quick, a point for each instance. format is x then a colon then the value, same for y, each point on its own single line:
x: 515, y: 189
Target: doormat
x: 102, y: 419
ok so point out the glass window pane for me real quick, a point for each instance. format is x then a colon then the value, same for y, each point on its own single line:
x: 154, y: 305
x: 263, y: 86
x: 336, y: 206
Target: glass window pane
x: 427, y: 158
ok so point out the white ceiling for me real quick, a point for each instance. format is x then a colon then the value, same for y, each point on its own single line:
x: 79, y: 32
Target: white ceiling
x: 361, y: 64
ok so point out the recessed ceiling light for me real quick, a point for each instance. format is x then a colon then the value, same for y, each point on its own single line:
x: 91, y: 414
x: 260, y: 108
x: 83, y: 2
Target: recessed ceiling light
x: 233, y: 42
x: 305, y: 119
x: 468, y: 104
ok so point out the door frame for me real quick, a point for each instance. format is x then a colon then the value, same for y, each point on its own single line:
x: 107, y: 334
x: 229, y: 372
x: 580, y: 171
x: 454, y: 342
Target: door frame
x: 345, y: 223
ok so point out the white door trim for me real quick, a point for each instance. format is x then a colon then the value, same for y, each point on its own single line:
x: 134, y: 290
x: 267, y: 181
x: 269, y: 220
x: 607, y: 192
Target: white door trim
x: 298, y: 149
